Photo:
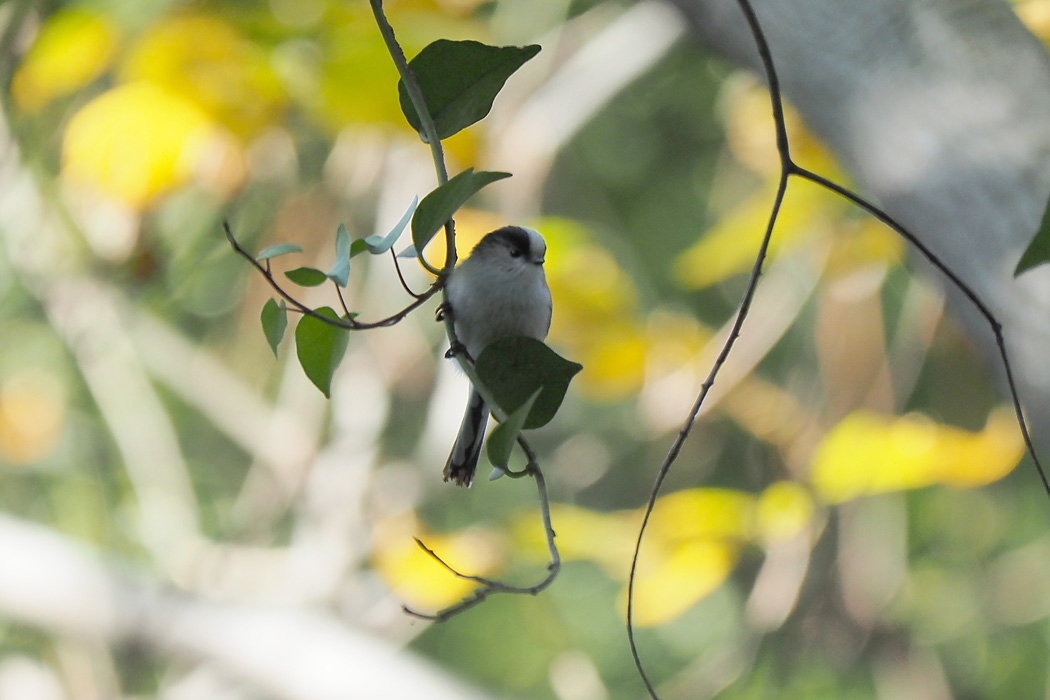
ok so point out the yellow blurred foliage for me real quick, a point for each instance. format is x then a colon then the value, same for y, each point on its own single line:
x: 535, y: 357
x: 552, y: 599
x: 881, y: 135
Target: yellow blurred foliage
x: 205, y: 61
x: 691, y: 546
x: 75, y: 46
x: 584, y: 535
x: 32, y: 413
x: 703, y: 513
x: 864, y: 241
x: 1036, y: 16
x: 688, y: 572
x: 416, y: 577
x: 136, y: 141
x: 808, y: 212
x: 868, y: 454
x: 784, y: 510
x: 730, y: 246
x: 751, y: 136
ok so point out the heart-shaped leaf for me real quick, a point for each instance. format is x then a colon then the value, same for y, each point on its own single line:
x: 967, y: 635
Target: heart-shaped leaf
x: 515, y: 367
x: 459, y: 81
x: 439, y: 206
x: 274, y: 319
x: 320, y: 347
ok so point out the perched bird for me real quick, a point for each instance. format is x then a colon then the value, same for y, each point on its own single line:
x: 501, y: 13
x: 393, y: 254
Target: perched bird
x: 499, y: 290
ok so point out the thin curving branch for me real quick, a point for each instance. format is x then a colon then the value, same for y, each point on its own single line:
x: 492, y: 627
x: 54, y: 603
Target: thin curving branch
x: 965, y: 289
x: 401, y: 277
x: 489, y: 586
x: 350, y: 324
x: 789, y: 168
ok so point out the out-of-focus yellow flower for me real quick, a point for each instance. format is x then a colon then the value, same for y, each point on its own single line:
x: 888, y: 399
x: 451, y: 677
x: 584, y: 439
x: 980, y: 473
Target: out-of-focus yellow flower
x: 416, y: 577
x: 868, y: 454
x: 138, y: 140
x: 32, y: 413
x: 74, y: 47
x: 205, y: 61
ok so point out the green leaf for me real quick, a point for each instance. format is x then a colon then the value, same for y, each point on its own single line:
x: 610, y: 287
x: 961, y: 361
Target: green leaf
x: 358, y: 247
x: 1038, y: 251
x: 340, y: 271
x: 502, y: 438
x: 377, y: 244
x: 513, y: 368
x: 279, y: 249
x: 306, y: 276
x: 320, y: 347
x: 459, y: 81
x: 274, y: 319
x: 439, y: 206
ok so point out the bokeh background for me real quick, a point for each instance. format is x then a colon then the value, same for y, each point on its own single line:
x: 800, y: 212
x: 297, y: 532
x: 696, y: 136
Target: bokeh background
x: 183, y: 516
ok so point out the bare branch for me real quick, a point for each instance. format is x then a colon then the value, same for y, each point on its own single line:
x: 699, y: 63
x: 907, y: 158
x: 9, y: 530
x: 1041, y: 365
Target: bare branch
x: 491, y: 586
x: 788, y: 168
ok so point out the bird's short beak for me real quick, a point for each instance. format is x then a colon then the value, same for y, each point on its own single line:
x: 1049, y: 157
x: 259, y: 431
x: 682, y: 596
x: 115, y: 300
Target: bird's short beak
x: 539, y: 262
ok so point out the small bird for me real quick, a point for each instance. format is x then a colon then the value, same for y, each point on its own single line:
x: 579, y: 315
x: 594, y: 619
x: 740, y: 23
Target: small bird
x: 499, y: 290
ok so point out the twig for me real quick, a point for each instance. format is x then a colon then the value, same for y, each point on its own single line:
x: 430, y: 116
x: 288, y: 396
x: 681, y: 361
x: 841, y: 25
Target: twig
x: 415, y: 94
x: 967, y: 291
x: 491, y: 586
x: 788, y: 168
x: 347, y: 323
x: 401, y: 277
x: 342, y: 301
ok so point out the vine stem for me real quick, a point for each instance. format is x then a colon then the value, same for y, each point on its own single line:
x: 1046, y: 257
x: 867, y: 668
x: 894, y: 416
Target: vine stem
x: 488, y: 586
x: 430, y: 132
x: 789, y: 168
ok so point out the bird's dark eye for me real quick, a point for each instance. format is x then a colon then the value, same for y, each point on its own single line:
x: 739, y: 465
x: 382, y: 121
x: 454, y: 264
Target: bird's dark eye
x: 516, y: 253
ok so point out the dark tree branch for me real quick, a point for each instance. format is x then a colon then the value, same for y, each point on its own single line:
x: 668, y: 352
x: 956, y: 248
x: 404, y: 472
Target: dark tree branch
x: 788, y: 168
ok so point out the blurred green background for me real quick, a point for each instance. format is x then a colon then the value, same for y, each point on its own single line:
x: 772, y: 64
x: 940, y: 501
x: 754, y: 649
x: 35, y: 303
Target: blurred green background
x: 852, y: 516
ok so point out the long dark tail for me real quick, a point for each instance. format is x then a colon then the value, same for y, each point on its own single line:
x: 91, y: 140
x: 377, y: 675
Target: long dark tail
x: 463, y: 461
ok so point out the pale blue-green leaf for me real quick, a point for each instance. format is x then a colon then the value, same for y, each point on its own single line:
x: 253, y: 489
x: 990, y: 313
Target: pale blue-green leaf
x: 340, y: 270
x: 275, y: 250
x: 380, y: 244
